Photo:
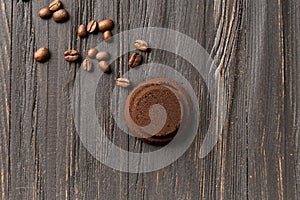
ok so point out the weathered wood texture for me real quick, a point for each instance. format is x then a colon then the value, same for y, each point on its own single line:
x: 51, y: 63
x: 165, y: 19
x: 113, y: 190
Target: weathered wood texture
x: 255, y: 44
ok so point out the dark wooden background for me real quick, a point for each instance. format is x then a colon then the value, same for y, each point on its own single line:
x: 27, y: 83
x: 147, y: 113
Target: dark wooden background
x: 254, y: 42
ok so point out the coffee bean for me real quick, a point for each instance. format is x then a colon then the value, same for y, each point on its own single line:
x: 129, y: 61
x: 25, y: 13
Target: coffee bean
x: 87, y: 65
x: 92, y: 26
x: 72, y: 55
x: 82, y: 31
x: 141, y: 45
x: 61, y: 16
x: 55, y: 5
x: 45, y: 13
x: 105, y: 25
x: 104, y: 66
x: 107, y: 35
x: 123, y: 82
x: 135, y: 60
x: 92, y: 52
x: 102, y: 55
x: 42, y: 55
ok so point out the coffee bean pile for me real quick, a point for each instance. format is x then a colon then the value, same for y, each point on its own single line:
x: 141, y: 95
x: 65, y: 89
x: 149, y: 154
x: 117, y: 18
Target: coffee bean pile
x: 61, y: 15
x: 101, y: 56
x: 93, y: 27
x: 56, y: 11
x: 105, y: 26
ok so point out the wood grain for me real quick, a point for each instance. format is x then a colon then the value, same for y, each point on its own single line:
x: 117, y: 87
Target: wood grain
x: 255, y: 46
x: 5, y: 72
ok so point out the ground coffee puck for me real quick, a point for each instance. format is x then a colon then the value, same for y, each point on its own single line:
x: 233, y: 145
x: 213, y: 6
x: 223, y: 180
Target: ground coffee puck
x: 159, y: 126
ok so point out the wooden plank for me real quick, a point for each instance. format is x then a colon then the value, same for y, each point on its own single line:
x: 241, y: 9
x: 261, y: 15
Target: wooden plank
x: 230, y: 154
x: 291, y: 148
x: 268, y: 131
x: 24, y: 102
x: 5, y: 70
x: 91, y: 179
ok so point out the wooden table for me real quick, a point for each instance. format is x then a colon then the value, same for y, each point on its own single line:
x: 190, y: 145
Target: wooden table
x: 254, y: 43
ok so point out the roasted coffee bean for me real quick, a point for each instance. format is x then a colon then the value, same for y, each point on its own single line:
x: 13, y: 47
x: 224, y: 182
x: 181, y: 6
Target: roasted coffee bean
x: 61, y: 16
x: 141, y: 45
x: 82, y: 31
x: 135, y: 60
x: 55, y: 5
x: 102, y: 55
x: 123, y: 82
x: 42, y: 55
x: 45, y: 13
x: 104, y: 66
x: 92, y: 52
x: 107, y: 35
x: 87, y: 65
x: 105, y: 25
x: 92, y: 26
x: 72, y: 55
